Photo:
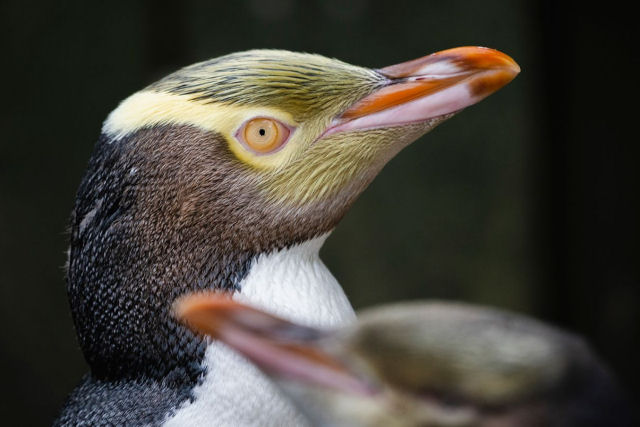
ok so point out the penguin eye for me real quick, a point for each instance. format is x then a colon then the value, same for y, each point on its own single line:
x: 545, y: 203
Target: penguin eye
x: 263, y: 135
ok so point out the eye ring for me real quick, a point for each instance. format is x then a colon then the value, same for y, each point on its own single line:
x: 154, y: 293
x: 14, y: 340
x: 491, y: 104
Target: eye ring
x: 263, y: 135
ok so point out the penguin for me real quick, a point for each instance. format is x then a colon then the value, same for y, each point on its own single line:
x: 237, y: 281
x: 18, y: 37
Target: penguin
x: 229, y: 174
x: 421, y: 363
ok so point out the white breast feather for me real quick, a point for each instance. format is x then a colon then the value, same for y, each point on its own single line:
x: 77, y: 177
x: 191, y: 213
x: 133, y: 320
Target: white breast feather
x: 294, y: 284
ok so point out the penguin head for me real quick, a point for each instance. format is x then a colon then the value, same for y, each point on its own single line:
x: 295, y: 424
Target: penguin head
x: 300, y: 136
x: 199, y: 173
x: 420, y: 364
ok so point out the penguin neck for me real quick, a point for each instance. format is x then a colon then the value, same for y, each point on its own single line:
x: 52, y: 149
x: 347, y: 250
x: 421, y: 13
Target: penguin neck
x: 294, y: 283
x: 153, y: 221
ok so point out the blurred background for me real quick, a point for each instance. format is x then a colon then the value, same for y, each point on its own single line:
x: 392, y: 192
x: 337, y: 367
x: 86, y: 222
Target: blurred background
x: 528, y: 201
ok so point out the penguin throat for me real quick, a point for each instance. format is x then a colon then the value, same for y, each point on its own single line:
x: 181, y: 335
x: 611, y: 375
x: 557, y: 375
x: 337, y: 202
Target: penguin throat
x: 292, y: 283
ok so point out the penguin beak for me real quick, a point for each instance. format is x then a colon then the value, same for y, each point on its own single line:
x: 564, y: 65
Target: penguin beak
x: 281, y: 349
x: 429, y: 87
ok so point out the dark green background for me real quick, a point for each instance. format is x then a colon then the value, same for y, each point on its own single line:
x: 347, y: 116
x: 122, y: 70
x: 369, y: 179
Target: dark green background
x: 527, y: 201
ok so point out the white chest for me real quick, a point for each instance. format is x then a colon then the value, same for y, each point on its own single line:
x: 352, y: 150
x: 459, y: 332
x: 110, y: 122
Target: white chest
x: 294, y: 284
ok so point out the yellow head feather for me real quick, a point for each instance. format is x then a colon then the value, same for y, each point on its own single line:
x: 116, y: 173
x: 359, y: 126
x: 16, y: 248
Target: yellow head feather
x: 304, y: 91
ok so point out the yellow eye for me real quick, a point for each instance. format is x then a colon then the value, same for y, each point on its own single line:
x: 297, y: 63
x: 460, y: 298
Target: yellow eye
x: 263, y: 135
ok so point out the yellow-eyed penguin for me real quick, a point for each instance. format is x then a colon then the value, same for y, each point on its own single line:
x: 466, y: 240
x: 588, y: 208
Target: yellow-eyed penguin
x: 417, y: 364
x: 229, y: 174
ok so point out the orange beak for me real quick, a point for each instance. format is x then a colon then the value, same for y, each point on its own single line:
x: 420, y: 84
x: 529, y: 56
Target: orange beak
x: 430, y: 87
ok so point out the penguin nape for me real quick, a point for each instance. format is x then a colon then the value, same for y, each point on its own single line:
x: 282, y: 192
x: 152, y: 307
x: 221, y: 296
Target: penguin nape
x: 229, y: 174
